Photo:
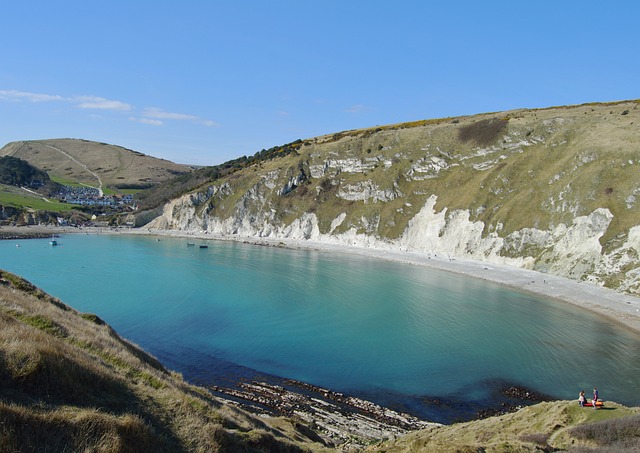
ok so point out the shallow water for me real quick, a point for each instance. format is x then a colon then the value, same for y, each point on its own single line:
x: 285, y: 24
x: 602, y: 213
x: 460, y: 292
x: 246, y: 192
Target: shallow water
x: 398, y: 334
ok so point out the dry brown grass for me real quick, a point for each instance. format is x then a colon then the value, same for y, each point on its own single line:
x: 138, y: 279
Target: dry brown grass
x: 116, y: 166
x: 68, y: 382
x: 549, y: 426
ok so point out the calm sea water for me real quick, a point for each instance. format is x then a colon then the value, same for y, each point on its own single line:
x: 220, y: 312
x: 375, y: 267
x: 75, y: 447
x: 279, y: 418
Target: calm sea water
x: 397, y: 334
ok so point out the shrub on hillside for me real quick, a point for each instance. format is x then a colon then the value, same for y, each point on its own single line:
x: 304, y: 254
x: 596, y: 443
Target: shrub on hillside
x: 483, y: 132
x: 620, y: 434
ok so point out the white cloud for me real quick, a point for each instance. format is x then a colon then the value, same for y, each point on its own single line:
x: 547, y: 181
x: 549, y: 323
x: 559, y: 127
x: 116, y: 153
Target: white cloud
x: 149, y: 121
x: 357, y: 108
x: 83, y: 102
x: 152, y: 112
x: 151, y: 115
x: 14, y: 95
x: 96, y: 102
x: 156, y: 113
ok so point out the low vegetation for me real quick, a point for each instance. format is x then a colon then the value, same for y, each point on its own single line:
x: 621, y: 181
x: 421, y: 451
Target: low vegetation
x: 19, y: 173
x: 617, y: 435
x: 549, y: 426
x: 160, y: 194
x: 483, y: 132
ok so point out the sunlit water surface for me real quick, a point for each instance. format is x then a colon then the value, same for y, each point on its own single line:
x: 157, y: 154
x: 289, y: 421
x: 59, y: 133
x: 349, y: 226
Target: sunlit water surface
x: 400, y: 335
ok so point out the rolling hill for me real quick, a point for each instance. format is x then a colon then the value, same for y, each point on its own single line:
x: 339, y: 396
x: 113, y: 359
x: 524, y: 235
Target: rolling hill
x: 94, y: 164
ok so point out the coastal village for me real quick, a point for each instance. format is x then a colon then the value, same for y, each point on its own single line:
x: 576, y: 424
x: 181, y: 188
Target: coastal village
x: 90, y: 196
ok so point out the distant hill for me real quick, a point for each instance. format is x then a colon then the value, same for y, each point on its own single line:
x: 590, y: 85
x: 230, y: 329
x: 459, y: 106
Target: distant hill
x: 95, y: 164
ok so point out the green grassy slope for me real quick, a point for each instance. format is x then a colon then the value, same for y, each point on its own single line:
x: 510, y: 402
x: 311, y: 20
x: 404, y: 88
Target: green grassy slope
x: 19, y: 198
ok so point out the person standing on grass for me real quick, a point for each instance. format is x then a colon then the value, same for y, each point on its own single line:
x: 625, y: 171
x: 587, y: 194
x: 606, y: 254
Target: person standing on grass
x: 595, y: 397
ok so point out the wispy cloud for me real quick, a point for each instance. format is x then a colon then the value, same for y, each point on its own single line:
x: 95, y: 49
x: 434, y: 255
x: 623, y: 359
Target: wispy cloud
x: 159, y: 114
x: 14, y: 95
x: 150, y: 115
x: 357, y: 108
x: 96, y: 102
x: 149, y: 121
x: 82, y: 102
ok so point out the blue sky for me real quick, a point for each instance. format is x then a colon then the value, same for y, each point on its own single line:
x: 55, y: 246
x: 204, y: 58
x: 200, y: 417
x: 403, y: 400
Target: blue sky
x: 202, y: 82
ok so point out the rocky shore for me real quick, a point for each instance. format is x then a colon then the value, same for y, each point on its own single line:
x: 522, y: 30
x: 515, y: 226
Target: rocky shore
x: 341, y: 418
x: 7, y: 235
x: 348, y: 420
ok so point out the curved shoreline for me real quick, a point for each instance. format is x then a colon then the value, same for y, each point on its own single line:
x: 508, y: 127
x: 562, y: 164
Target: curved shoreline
x: 618, y: 307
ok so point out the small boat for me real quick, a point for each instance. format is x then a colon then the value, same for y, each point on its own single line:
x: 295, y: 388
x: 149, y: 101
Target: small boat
x: 204, y: 246
x: 190, y: 244
x: 53, y: 240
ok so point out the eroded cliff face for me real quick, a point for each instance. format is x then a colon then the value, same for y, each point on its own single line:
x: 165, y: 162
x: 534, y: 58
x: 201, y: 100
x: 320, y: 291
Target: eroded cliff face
x: 553, y: 190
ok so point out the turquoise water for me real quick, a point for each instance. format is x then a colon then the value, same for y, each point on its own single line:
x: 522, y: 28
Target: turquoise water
x: 397, y: 334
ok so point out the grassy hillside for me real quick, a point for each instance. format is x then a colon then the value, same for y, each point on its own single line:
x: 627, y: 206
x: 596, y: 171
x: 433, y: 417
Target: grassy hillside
x: 94, y: 164
x: 68, y: 382
x: 513, y: 186
x: 559, y: 162
x: 552, y: 426
x: 13, y: 196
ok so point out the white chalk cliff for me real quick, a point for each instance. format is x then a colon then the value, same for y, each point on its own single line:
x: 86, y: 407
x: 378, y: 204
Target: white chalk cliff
x: 553, y: 190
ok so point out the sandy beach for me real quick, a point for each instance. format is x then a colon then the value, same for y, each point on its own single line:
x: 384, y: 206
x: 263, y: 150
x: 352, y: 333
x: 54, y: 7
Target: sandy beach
x: 618, y: 307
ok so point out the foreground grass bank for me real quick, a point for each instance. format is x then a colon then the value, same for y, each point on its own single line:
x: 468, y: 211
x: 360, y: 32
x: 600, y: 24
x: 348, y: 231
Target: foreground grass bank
x: 548, y: 426
x: 68, y: 382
